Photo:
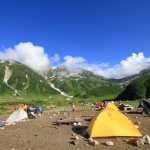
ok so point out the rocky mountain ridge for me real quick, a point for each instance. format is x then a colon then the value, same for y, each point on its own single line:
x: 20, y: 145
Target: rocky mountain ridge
x: 19, y: 79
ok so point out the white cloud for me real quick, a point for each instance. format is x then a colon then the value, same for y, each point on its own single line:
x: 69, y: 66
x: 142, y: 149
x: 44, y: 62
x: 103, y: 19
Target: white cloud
x: 37, y: 59
x: 55, y: 58
x: 130, y: 66
x: 27, y: 53
x: 71, y: 62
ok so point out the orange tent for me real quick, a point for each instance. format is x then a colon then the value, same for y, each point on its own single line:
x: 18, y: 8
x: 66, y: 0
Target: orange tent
x: 21, y: 107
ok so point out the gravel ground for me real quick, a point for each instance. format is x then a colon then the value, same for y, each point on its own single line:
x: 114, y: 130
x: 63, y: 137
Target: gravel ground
x: 43, y: 133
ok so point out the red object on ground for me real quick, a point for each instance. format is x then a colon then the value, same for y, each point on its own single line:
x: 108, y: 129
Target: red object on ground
x: 99, y: 104
x: 51, y: 106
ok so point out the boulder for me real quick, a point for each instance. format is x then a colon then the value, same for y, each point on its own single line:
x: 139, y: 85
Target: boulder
x: 109, y: 143
x: 146, y: 139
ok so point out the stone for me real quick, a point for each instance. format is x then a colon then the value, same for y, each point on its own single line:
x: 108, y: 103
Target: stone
x: 75, y: 142
x: 139, y: 122
x: 109, y: 143
x: 95, y: 143
x: 77, y: 137
x: 139, y: 142
x: 79, y: 123
x: 146, y: 139
x: 91, y: 140
x: 137, y: 126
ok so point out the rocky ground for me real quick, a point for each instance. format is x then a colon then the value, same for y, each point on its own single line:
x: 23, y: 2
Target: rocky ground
x: 42, y: 133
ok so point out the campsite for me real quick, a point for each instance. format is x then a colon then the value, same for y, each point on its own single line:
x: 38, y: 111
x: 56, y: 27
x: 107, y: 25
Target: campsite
x: 43, y: 133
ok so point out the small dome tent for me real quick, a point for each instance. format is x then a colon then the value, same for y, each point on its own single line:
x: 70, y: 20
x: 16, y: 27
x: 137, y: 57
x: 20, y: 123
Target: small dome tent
x: 17, y: 116
x: 109, y: 123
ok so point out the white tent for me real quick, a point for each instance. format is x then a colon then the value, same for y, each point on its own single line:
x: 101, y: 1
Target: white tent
x: 16, y: 116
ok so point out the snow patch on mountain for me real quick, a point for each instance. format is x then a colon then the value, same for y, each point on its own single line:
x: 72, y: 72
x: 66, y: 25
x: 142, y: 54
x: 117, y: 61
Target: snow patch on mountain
x: 8, y: 74
x: 62, y: 93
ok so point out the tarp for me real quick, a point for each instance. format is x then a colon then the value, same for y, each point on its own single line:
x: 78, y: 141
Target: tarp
x: 16, y: 116
x: 146, y: 106
x: 109, y: 123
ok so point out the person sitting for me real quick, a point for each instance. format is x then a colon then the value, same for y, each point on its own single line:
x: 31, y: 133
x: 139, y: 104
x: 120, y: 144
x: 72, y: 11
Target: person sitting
x: 121, y: 105
x: 140, y: 106
x: 37, y: 110
x: 30, y: 112
x: 105, y: 104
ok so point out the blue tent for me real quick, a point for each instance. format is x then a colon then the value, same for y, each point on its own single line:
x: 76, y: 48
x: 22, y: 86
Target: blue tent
x: 1, y: 123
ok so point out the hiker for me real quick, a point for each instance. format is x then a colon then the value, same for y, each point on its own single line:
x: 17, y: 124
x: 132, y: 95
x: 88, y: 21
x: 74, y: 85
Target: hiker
x: 105, y: 104
x: 41, y: 109
x: 121, y: 105
x: 140, y: 104
x: 93, y: 105
x: 25, y: 107
x: 140, y: 107
x: 37, y: 110
x: 73, y: 107
x: 82, y: 104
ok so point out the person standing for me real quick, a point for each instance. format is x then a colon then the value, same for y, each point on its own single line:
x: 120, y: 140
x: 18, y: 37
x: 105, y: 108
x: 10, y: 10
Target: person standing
x: 41, y: 109
x: 25, y: 107
x: 73, y: 107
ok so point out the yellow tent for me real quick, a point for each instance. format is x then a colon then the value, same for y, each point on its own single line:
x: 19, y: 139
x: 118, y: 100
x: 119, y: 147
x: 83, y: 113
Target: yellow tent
x: 109, y: 123
x: 112, y: 105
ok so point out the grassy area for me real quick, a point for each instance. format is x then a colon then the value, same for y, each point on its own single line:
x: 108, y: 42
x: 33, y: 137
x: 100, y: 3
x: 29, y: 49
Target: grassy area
x: 58, y: 100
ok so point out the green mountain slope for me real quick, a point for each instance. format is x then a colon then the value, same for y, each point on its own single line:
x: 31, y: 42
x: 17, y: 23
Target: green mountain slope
x: 19, y: 79
x: 139, y: 88
x: 103, y: 91
x: 83, y: 83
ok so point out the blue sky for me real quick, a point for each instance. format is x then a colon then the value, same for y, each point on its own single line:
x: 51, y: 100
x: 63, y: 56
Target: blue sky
x: 108, y: 37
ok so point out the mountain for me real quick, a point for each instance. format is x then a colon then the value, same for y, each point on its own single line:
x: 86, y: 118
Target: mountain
x: 129, y: 79
x: 139, y: 88
x: 86, y: 84
x: 18, y: 79
x: 82, y: 83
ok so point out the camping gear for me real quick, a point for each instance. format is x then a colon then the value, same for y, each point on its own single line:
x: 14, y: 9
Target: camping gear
x: 146, y: 106
x: 128, y: 107
x: 16, y: 116
x: 68, y: 121
x: 31, y: 112
x: 99, y: 104
x: 31, y: 115
x: 21, y: 107
x: 51, y: 106
x: 109, y: 122
x: 1, y: 123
